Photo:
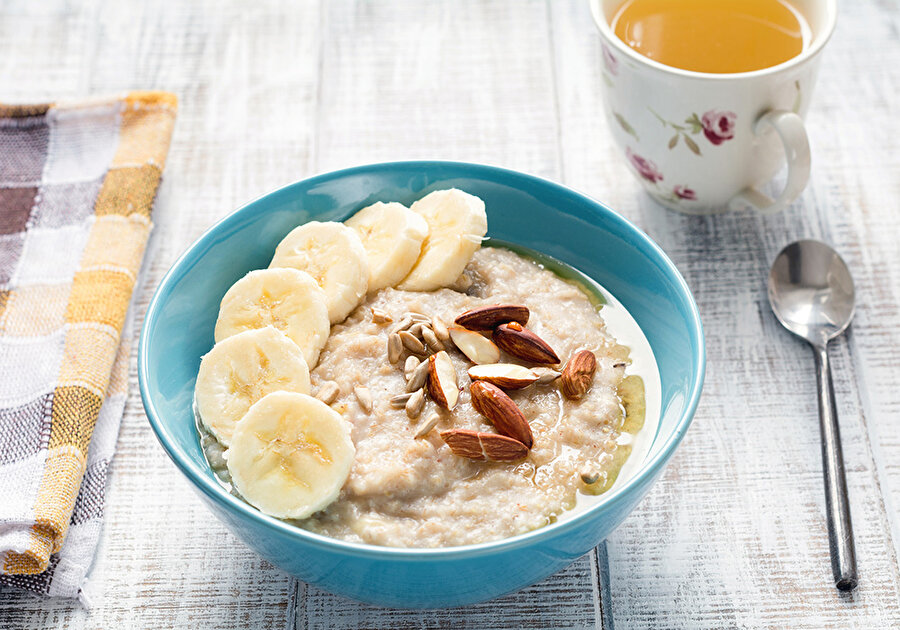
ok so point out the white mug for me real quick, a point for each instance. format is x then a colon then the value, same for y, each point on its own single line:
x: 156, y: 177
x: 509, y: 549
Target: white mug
x: 702, y: 143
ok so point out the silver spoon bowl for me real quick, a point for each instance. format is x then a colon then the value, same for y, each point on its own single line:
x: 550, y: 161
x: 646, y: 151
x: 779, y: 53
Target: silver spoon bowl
x: 811, y: 293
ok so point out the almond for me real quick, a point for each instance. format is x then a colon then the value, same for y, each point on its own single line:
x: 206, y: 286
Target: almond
x: 504, y: 375
x: 524, y: 344
x: 578, y: 374
x: 493, y: 403
x: 489, y: 317
x: 478, y: 348
x: 482, y: 446
x: 546, y: 375
x: 442, y: 383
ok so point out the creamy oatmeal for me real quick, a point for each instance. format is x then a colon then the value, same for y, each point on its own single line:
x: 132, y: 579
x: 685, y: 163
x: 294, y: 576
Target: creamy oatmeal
x: 405, y: 491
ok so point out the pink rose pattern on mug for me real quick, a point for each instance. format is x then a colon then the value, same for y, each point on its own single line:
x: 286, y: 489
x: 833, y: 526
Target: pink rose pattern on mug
x: 716, y: 126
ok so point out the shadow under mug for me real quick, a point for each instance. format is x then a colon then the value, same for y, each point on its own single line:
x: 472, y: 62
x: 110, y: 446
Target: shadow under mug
x: 702, y: 143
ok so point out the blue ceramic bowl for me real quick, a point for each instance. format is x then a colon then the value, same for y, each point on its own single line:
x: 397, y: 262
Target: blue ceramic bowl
x: 533, y: 212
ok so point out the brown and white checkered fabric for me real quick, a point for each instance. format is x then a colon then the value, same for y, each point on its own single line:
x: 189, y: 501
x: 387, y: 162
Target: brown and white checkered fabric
x: 77, y: 184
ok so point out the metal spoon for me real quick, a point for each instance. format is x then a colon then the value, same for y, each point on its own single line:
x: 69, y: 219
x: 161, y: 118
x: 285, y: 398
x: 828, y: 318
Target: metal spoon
x: 811, y: 293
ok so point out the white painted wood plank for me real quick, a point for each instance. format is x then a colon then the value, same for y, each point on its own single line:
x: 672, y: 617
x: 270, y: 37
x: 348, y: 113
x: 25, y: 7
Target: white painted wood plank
x: 465, y: 81
x: 734, y: 534
x: 471, y: 81
x: 246, y: 76
x: 564, y: 600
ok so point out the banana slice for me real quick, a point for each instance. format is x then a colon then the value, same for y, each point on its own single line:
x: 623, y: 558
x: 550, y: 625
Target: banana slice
x: 332, y: 254
x: 392, y: 235
x: 240, y: 370
x: 290, y: 455
x: 287, y: 299
x: 456, y: 224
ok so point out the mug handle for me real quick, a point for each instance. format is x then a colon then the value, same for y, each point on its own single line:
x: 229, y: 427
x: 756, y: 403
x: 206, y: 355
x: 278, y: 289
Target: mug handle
x: 796, y: 150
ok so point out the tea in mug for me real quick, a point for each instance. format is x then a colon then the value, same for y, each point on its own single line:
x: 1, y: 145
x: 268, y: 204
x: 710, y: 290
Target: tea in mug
x: 716, y: 36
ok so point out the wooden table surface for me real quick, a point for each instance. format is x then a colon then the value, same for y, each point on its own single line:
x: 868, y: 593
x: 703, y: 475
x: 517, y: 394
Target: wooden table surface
x: 273, y: 91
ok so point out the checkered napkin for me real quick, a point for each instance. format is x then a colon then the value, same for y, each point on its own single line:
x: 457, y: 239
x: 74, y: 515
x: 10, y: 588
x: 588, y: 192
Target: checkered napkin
x: 77, y: 183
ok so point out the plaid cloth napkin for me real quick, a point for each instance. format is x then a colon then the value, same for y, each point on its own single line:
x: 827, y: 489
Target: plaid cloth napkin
x: 77, y: 183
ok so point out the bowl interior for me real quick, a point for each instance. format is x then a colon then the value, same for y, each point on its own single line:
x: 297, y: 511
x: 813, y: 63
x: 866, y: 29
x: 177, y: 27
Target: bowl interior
x: 536, y: 213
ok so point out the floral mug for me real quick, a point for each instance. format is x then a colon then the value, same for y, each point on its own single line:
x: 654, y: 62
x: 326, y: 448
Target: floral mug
x: 703, y: 143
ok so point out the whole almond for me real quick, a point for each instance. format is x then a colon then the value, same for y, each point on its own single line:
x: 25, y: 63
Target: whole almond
x: 483, y: 446
x: 489, y: 317
x: 524, y: 344
x: 442, y: 384
x: 578, y: 374
x: 504, y: 375
x: 493, y: 403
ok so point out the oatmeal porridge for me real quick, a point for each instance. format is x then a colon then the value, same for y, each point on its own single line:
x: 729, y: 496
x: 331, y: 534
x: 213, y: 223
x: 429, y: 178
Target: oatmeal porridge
x: 429, y: 433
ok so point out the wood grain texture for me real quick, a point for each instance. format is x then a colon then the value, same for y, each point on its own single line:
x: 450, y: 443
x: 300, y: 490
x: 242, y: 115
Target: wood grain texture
x: 734, y: 534
x: 272, y: 91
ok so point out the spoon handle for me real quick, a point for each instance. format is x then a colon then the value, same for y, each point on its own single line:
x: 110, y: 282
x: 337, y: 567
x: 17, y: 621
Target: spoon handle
x: 840, y: 530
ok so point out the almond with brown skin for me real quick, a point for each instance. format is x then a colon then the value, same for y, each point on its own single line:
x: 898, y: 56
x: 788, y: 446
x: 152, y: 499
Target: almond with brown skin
x: 477, y: 348
x: 494, y: 404
x: 504, y: 375
x: 442, y: 384
x: 578, y: 374
x: 489, y: 317
x: 524, y: 344
x: 483, y: 446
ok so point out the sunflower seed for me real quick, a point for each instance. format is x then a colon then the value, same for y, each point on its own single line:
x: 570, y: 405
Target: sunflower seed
x: 399, y: 402
x: 380, y: 317
x: 411, y: 343
x: 364, y: 397
x: 410, y: 365
x: 418, y: 317
x: 328, y: 392
x: 405, y: 323
x: 415, y: 404
x: 440, y: 330
x: 417, y: 377
x: 431, y: 340
x: 546, y: 375
x: 428, y: 425
x: 416, y: 329
x: 394, y: 348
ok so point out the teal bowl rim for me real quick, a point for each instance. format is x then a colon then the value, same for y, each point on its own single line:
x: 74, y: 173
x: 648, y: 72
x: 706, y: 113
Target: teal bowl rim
x: 217, y: 493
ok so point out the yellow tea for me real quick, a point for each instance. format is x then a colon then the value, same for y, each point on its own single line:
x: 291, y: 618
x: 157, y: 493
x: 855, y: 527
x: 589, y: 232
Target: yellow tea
x: 718, y: 36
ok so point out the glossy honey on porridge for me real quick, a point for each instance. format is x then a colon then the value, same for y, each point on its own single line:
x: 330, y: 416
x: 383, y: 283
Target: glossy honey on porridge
x: 473, y: 395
